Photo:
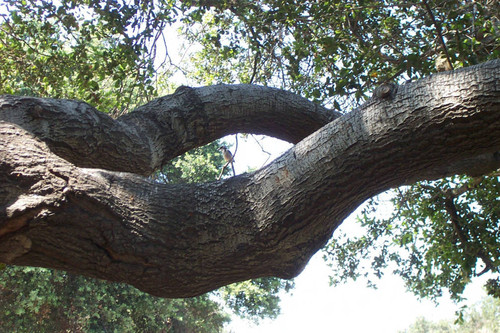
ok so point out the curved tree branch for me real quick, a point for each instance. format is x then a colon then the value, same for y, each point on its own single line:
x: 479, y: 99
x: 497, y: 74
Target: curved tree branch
x: 164, y: 128
x: 183, y: 240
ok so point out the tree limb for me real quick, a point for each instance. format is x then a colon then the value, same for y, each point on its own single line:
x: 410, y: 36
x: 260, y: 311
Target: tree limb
x: 184, y: 240
x: 451, y: 209
x: 164, y: 128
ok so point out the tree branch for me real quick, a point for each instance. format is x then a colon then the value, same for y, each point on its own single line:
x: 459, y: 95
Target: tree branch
x: 164, y: 128
x: 451, y: 209
x: 184, y: 240
x: 439, y: 32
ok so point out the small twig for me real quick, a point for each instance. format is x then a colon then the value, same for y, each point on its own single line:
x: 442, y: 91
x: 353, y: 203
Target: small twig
x: 439, y: 33
x: 263, y: 150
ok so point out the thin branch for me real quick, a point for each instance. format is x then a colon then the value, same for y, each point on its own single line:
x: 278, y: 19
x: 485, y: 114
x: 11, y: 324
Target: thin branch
x: 451, y: 209
x: 234, y: 154
x: 263, y: 150
x: 439, y: 33
x: 255, y: 64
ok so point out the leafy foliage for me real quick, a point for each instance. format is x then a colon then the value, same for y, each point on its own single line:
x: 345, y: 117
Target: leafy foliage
x: 86, y: 50
x: 54, y: 301
x: 440, y: 235
x: 338, y: 51
x: 333, y: 51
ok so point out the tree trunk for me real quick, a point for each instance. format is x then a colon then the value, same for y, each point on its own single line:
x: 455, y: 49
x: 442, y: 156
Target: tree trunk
x: 72, y: 197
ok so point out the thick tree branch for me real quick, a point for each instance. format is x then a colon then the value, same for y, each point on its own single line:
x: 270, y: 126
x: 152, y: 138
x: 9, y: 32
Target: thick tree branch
x: 183, y: 240
x: 164, y: 128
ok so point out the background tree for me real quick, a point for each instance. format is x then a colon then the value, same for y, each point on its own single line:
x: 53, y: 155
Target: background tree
x: 56, y: 301
x: 483, y: 317
x: 439, y: 236
x: 75, y: 50
x: 337, y: 52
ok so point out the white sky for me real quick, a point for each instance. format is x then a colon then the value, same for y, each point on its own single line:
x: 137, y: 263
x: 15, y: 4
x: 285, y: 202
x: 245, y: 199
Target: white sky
x: 315, y: 307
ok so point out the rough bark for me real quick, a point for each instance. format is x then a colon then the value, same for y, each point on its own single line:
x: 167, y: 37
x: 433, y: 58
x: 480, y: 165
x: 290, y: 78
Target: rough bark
x: 183, y: 240
x: 143, y: 140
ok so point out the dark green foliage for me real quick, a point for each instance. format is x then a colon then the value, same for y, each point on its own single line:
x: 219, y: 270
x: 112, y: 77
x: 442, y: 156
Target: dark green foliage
x: 338, y: 51
x: 77, y: 49
x: 493, y: 287
x: 54, y: 301
x: 335, y: 51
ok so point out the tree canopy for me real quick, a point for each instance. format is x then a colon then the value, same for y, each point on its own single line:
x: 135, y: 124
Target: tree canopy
x: 199, y: 237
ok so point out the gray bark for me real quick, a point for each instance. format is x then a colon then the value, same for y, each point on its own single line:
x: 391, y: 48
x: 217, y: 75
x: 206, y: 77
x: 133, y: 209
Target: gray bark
x: 60, y: 208
x: 143, y: 140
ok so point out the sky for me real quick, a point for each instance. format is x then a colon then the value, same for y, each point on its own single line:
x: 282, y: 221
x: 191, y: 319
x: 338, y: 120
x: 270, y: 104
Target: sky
x: 314, y: 306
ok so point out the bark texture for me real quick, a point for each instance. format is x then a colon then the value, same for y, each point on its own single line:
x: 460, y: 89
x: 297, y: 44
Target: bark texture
x: 72, y: 197
x: 143, y: 140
